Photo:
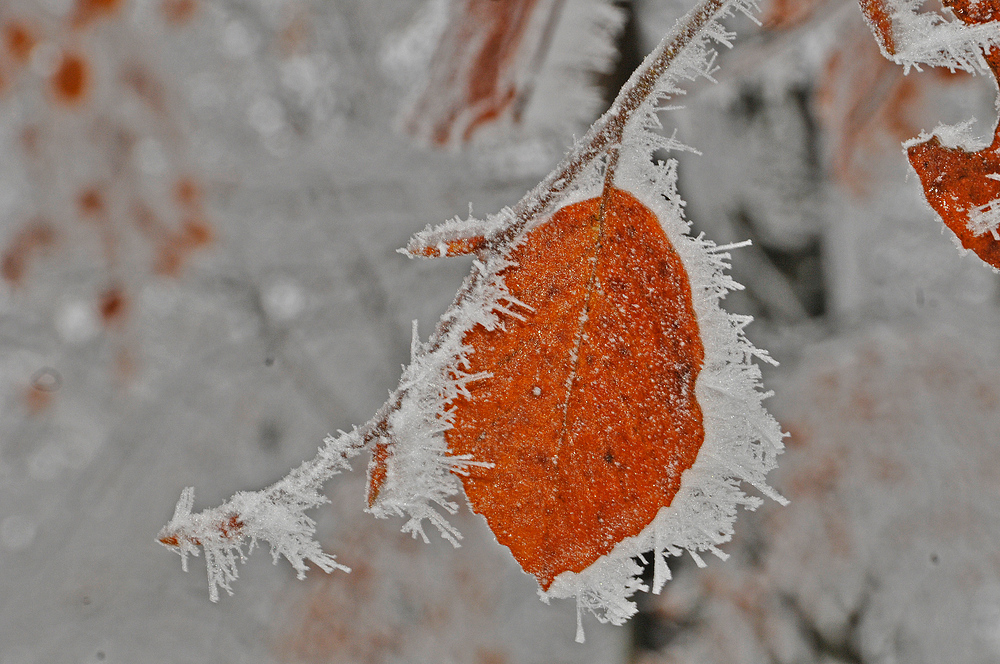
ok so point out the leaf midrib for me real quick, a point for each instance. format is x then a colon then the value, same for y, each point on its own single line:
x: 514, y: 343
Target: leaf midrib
x: 584, y: 315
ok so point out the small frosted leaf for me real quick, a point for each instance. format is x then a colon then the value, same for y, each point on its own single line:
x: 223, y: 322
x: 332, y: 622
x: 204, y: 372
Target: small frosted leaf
x: 958, y: 186
x: 962, y: 184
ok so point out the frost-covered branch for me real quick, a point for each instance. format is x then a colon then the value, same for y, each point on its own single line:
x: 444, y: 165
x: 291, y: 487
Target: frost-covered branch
x: 412, y: 472
x: 275, y: 515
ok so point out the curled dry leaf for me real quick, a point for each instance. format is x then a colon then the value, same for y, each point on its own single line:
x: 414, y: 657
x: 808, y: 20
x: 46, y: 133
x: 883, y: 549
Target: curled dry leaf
x: 962, y: 185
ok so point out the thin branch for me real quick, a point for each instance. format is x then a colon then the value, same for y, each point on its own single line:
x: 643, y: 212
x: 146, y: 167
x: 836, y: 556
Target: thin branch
x: 276, y: 514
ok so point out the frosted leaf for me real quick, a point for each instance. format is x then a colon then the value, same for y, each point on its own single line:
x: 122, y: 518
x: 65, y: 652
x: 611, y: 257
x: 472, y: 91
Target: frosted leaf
x: 912, y: 38
x: 958, y: 175
x: 457, y: 236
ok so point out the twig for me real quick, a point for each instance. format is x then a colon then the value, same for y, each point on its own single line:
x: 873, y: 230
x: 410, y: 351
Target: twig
x: 276, y: 513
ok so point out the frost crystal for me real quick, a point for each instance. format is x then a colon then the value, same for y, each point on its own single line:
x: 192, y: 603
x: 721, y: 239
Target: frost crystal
x: 912, y: 38
x: 275, y: 515
x: 985, y: 219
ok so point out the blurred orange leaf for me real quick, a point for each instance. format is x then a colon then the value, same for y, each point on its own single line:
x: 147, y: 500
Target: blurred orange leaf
x: 474, y: 81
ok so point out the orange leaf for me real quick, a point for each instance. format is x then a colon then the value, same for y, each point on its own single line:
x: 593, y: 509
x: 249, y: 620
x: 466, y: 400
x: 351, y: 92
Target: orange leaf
x: 960, y: 185
x: 879, y: 17
x: 590, y: 416
x: 956, y: 185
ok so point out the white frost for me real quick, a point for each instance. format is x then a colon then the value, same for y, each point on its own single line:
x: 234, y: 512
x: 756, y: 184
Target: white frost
x: 927, y: 38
